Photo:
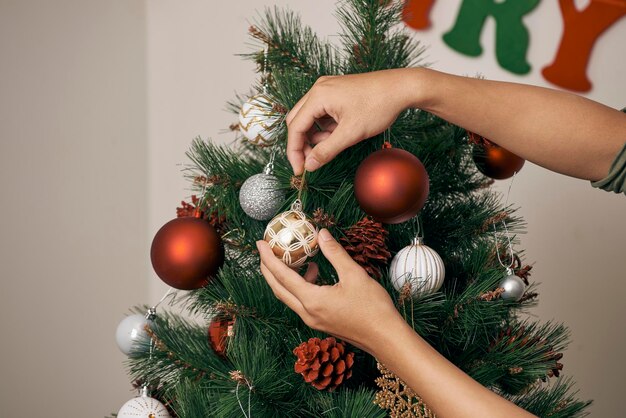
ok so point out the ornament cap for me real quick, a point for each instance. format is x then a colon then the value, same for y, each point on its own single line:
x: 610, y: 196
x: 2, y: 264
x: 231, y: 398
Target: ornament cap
x: 151, y: 314
x: 269, y: 168
x: 197, y: 213
x: 509, y: 271
x: 144, y: 392
x: 417, y: 241
x: 387, y: 145
x: 296, y: 205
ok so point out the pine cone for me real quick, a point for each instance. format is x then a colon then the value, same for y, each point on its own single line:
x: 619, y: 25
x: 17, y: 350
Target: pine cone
x: 365, y: 242
x: 325, y: 364
x: 323, y: 219
x: 189, y: 209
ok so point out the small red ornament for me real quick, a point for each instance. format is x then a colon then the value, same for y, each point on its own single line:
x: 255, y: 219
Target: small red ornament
x: 186, y: 252
x: 220, y: 329
x: 492, y: 160
x: 391, y: 185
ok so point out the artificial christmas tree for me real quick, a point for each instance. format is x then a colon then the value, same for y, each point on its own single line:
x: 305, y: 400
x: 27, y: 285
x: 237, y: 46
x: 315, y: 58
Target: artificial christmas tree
x: 467, y: 319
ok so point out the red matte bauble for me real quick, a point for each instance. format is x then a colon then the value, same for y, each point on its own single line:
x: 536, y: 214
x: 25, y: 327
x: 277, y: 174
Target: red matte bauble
x: 220, y: 329
x: 187, y: 252
x: 391, y: 185
x: 496, y: 162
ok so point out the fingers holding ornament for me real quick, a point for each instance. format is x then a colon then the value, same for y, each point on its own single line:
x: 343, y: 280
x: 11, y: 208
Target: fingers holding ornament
x: 292, y: 236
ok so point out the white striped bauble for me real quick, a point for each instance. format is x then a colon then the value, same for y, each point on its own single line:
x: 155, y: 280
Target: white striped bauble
x: 417, y: 267
x: 143, y: 406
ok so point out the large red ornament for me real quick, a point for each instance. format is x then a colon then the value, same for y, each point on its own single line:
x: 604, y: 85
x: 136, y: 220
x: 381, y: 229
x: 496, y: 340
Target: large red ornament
x: 220, y: 330
x: 187, y: 252
x: 391, y: 185
x: 494, y: 161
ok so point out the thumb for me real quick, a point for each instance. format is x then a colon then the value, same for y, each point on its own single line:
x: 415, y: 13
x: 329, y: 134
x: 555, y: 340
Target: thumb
x: 340, y: 139
x: 335, y: 253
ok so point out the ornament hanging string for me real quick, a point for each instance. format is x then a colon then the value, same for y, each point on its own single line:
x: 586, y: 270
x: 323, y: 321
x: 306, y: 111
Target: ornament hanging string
x: 249, y: 414
x: 170, y: 292
x: 418, y: 227
x: 506, y: 231
x: 387, y: 138
x: 302, y: 180
x: 239, y: 377
x: 265, y: 71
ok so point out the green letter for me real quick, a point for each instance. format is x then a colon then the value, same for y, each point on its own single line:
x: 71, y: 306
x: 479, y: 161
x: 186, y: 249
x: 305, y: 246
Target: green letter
x: 511, y: 34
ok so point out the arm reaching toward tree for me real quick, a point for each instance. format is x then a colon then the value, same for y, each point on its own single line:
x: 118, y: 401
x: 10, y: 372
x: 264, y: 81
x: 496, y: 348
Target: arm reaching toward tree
x: 560, y: 131
x: 377, y: 327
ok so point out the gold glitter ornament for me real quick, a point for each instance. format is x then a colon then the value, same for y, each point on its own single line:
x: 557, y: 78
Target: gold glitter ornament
x: 395, y: 396
x: 259, y: 121
x: 292, y: 236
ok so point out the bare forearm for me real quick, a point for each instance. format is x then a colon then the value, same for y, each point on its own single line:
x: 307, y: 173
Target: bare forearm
x: 560, y: 131
x: 444, y: 388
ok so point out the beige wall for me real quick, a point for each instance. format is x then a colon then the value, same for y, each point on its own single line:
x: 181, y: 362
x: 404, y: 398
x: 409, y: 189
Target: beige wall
x: 100, y: 100
x: 73, y: 214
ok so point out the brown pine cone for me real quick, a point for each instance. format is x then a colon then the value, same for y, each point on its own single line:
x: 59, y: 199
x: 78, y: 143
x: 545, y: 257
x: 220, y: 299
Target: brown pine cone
x: 365, y: 242
x: 325, y: 364
x: 189, y: 209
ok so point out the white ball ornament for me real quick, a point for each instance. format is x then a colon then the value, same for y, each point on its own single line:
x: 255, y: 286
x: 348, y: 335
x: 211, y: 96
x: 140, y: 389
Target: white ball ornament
x: 143, y: 406
x: 513, y: 286
x: 258, y: 120
x: 131, y: 332
x: 419, y: 267
x: 292, y: 237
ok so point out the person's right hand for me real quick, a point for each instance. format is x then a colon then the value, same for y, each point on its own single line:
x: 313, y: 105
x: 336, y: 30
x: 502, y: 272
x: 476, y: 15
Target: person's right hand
x: 357, y: 309
x: 349, y: 109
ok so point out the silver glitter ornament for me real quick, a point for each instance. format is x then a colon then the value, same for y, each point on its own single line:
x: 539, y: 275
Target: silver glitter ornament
x: 513, y: 286
x: 260, y: 196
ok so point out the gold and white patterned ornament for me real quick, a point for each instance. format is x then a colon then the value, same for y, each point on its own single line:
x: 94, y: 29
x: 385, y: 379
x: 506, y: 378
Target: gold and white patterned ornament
x: 419, y: 267
x: 292, y: 236
x: 258, y: 120
x: 143, y: 406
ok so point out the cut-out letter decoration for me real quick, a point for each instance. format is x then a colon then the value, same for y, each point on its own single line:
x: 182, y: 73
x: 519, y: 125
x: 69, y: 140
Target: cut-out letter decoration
x: 416, y: 13
x: 581, y: 29
x: 511, y: 33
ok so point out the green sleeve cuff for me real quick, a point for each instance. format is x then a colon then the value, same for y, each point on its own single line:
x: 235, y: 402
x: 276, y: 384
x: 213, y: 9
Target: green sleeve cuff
x: 616, y: 180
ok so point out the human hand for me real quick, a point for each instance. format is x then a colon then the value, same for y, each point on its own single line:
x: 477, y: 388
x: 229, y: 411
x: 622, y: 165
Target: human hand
x: 356, y: 309
x: 348, y: 109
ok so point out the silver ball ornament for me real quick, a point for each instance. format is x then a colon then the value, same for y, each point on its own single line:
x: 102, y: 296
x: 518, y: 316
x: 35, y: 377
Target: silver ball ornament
x: 131, y: 332
x: 144, y: 407
x: 260, y: 196
x: 513, y: 286
x: 258, y: 120
x: 419, y: 267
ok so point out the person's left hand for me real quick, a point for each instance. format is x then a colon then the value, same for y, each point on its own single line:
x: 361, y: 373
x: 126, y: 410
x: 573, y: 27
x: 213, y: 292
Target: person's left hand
x: 356, y: 309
